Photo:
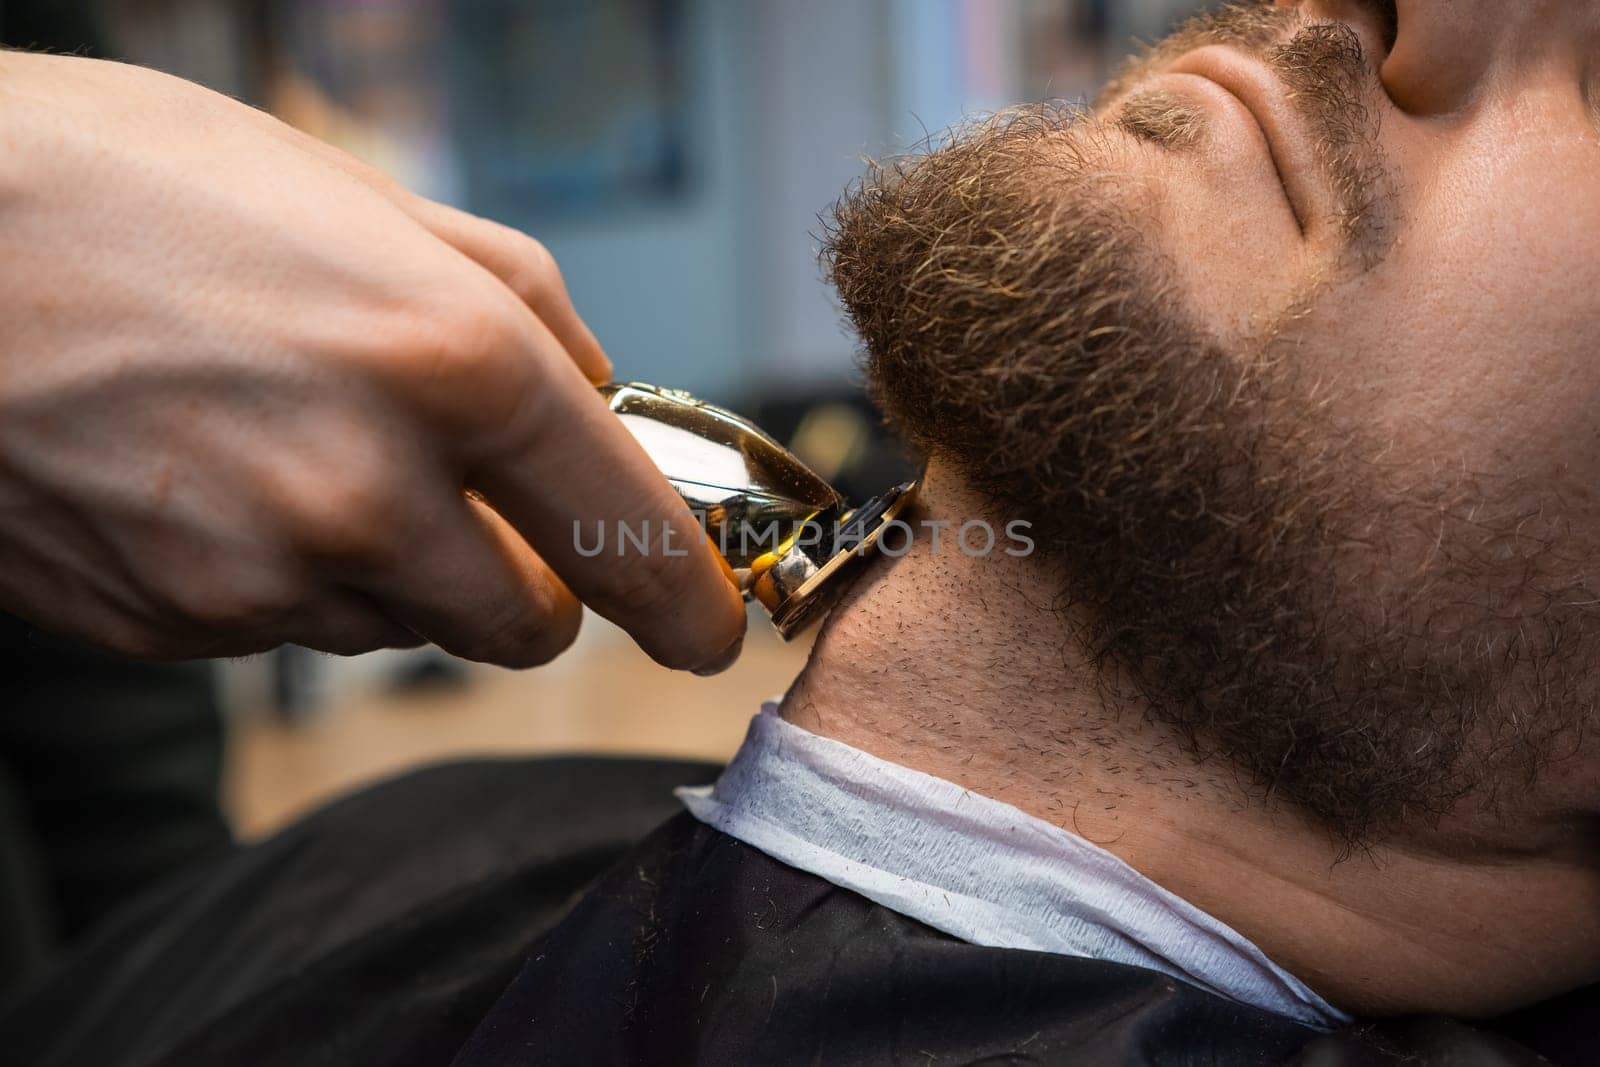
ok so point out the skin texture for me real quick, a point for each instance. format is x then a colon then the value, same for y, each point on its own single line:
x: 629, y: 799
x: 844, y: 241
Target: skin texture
x: 1469, y: 917
x: 1287, y: 351
x: 253, y: 392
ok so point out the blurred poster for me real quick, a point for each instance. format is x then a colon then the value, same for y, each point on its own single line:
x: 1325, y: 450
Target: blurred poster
x: 1067, y: 47
x: 569, y: 106
x: 368, y: 76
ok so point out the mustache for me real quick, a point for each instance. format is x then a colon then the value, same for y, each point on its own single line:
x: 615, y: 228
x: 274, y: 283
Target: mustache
x: 1332, y: 87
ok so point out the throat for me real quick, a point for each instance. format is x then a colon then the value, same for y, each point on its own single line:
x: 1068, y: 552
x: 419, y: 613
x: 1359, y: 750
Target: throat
x: 963, y: 669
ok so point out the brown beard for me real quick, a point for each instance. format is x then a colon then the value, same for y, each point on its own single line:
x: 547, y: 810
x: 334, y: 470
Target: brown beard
x: 1367, y: 646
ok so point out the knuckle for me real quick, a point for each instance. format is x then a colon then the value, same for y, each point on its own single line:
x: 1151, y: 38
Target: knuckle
x: 355, y: 523
x: 656, y: 588
x: 531, y: 639
x: 537, y: 277
x: 640, y: 585
x: 138, y: 642
x: 468, y: 343
x: 228, y: 607
x: 349, y: 643
x: 539, y: 646
x: 467, y: 364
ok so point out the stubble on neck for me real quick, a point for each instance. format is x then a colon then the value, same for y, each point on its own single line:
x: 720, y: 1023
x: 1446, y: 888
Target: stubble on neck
x: 965, y: 668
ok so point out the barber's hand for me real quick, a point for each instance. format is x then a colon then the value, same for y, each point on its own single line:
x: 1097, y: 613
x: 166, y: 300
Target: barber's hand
x: 246, y: 382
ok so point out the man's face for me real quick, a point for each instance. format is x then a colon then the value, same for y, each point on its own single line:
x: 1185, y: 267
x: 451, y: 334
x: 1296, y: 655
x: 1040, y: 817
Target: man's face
x: 1290, y: 350
x: 1461, y: 313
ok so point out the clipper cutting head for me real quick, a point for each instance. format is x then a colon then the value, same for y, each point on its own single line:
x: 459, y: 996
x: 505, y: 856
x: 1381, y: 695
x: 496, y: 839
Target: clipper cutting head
x: 789, y: 536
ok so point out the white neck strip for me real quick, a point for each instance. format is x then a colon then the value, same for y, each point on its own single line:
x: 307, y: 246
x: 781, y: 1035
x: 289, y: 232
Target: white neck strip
x: 976, y: 868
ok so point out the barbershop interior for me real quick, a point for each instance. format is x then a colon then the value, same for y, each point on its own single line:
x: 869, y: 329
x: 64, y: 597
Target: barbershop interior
x: 679, y: 160
x: 675, y: 156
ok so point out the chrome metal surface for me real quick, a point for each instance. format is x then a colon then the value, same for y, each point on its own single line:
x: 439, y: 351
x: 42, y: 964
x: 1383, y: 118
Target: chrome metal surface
x: 756, y: 497
x: 755, y: 494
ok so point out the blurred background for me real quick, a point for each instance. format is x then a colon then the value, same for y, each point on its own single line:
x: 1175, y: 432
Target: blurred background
x: 674, y: 155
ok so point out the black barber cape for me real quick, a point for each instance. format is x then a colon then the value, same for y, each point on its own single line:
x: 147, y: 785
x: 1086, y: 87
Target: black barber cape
x: 500, y: 913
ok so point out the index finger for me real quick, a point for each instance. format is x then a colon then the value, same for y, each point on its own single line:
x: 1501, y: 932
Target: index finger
x: 591, y: 502
x: 520, y: 263
x: 525, y: 267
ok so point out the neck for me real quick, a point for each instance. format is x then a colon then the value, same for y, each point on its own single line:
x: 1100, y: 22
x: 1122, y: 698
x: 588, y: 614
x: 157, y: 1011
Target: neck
x: 960, y: 667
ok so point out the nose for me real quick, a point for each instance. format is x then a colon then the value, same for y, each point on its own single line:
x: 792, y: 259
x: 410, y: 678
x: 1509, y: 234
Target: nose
x: 1446, y: 53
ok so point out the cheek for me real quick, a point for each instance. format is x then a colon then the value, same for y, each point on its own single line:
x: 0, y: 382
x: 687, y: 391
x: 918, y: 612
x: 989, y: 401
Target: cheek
x: 1476, y: 342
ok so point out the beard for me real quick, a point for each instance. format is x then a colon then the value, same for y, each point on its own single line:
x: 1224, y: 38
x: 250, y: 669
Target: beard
x: 1243, y: 559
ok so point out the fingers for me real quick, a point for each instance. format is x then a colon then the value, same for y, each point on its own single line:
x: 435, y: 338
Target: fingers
x: 578, y: 478
x: 345, y: 623
x: 477, y: 590
x: 556, y: 461
x: 521, y: 263
x: 527, y: 268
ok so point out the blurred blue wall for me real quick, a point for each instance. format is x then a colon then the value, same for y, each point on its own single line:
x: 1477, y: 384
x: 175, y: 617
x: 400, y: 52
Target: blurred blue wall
x: 664, y: 286
x: 721, y: 293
